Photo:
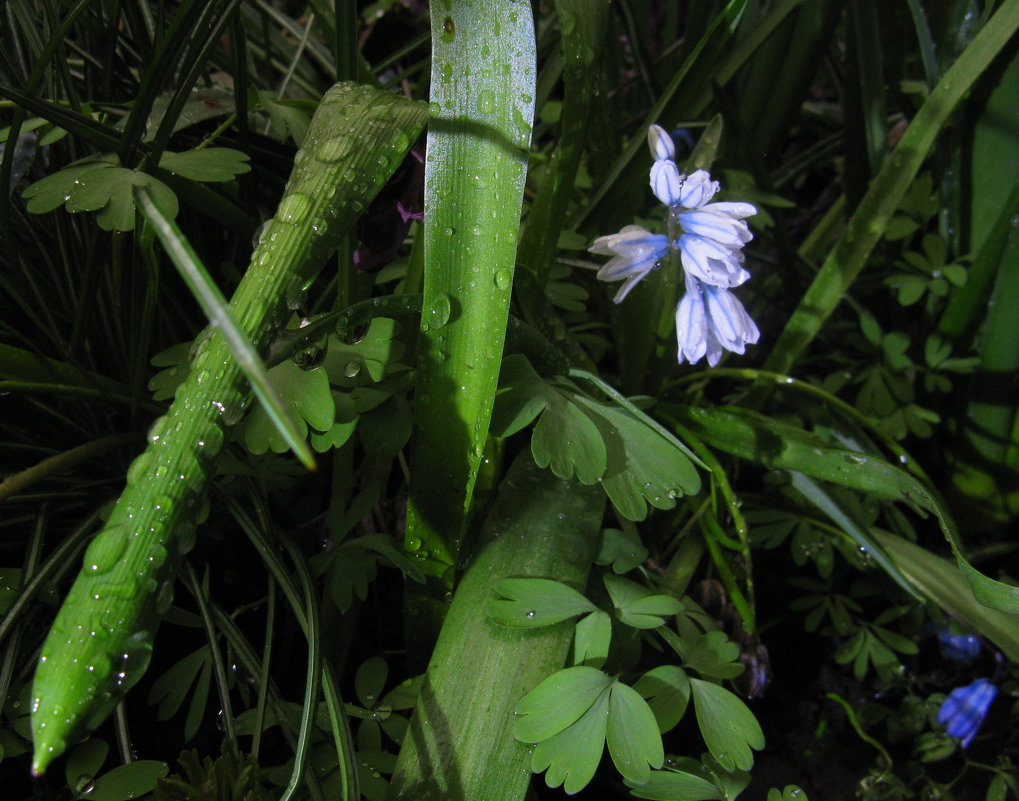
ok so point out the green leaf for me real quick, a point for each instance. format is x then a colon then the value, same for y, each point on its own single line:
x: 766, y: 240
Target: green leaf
x: 591, y: 639
x: 170, y: 689
x: 305, y: 394
x: 633, y: 739
x: 85, y: 762
x: 637, y: 606
x: 53, y: 191
x: 566, y: 441
x: 558, y: 702
x: 175, y: 359
x: 622, y: 550
x: 667, y: 690
x: 776, y: 445
x: 643, y: 466
x: 127, y: 781
x: 677, y: 785
x: 571, y: 757
x: 713, y: 654
x: 790, y: 793
x: 369, y: 358
x: 211, y: 164
x: 536, y: 602
x: 369, y: 681
x: 522, y: 396
x: 728, y: 726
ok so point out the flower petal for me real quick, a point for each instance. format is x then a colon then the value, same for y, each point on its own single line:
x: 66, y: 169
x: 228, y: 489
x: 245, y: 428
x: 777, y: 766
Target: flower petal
x: 697, y: 189
x: 710, y: 262
x: 735, y: 210
x: 691, y: 324
x: 660, y: 143
x: 730, y: 322
x: 721, y: 228
x: 962, y: 713
x: 666, y: 182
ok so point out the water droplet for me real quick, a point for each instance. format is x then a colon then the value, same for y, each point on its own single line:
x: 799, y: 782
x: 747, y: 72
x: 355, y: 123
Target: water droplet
x: 293, y: 208
x: 854, y: 458
x: 335, y: 148
x: 352, y: 368
x: 486, y: 101
x: 448, y: 29
x: 438, y: 311
x: 530, y: 615
x: 503, y: 278
x: 434, y: 109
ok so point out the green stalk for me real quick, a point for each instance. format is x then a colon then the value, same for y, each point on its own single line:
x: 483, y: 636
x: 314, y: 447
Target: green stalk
x: 460, y: 745
x: 100, y: 643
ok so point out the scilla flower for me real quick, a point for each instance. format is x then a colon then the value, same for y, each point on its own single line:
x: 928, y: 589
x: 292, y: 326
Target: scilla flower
x: 709, y: 238
x: 963, y: 711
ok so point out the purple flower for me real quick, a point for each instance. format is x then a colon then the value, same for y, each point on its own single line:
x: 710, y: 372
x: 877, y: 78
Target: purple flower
x: 963, y: 711
x: 959, y: 648
x: 709, y: 238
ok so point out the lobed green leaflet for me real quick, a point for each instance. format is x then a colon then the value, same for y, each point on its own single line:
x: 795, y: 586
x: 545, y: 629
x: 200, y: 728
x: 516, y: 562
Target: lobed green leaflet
x: 100, y: 642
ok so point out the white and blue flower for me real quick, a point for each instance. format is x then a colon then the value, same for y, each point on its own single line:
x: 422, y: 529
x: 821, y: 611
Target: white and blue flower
x: 709, y: 238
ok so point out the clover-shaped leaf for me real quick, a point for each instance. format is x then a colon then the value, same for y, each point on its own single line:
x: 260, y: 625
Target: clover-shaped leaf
x: 534, y: 602
x: 571, y: 757
x: 643, y: 466
x: 715, y: 655
x: 622, y: 550
x: 558, y: 702
x: 99, y: 185
x: 728, y: 726
x: 686, y: 779
x: 634, y: 741
x: 565, y: 439
x: 667, y: 691
x: 573, y: 714
x: 306, y: 393
x: 175, y: 359
x: 53, y: 191
x: 213, y: 164
x: 367, y: 360
x: 638, y: 606
x: 591, y: 639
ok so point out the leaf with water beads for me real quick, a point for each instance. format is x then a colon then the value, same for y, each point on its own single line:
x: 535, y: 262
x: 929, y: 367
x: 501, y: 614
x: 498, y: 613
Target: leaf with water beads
x: 535, y: 602
x: 728, y: 726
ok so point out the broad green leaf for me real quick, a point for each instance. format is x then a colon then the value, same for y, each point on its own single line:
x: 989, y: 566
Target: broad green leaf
x: 790, y: 792
x: 591, y: 639
x: 634, y: 741
x: 128, y: 781
x: 728, y: 726
x: 667, y: 690
x: 571, y: 757
x: 558, y: 702
x: 536, y: 602
x: 210, y: 164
